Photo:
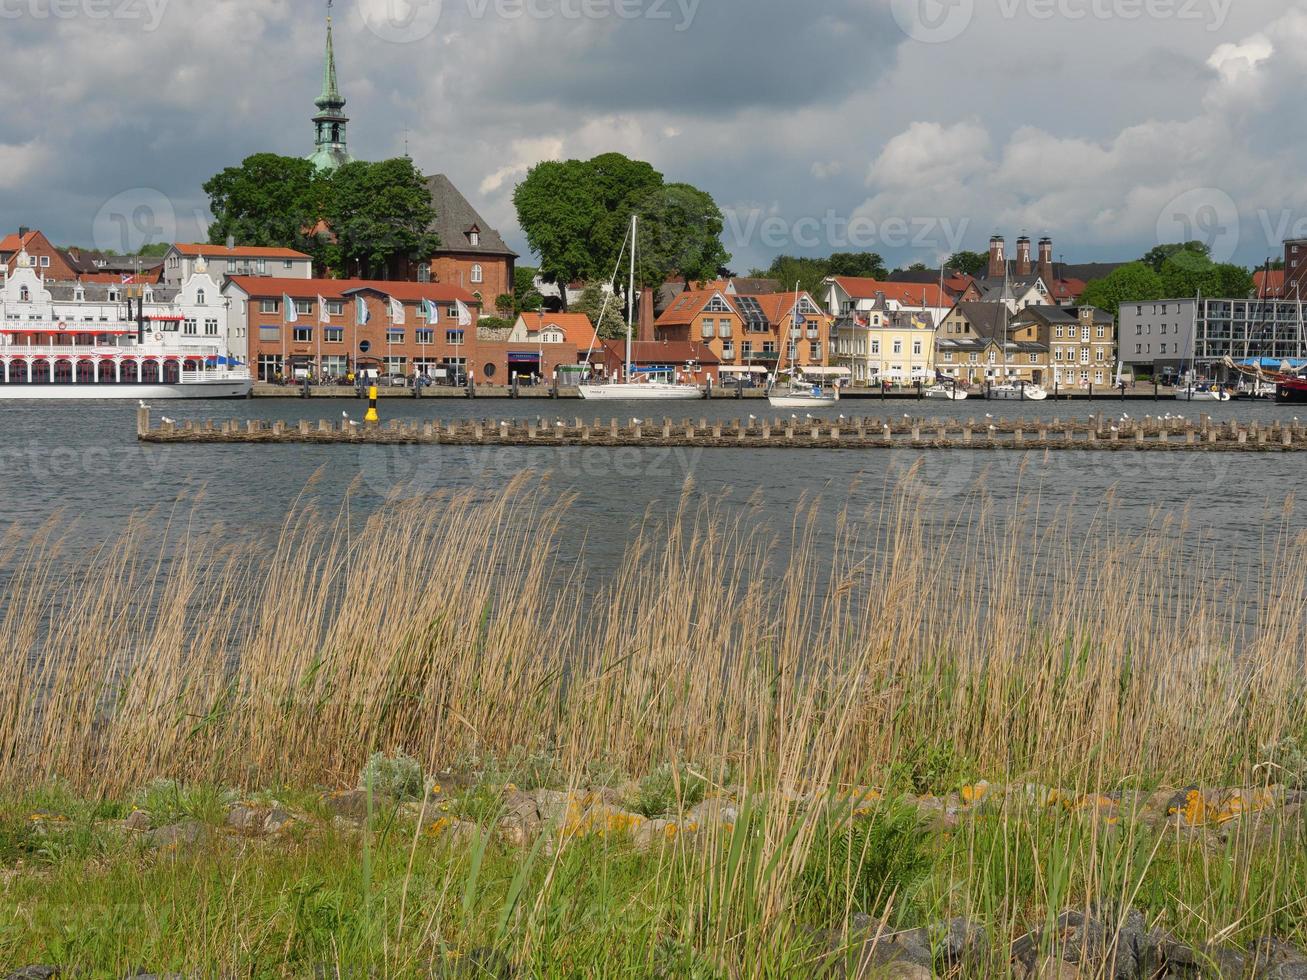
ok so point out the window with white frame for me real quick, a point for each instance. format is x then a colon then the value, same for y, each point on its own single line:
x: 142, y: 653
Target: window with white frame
x: 478, y: 274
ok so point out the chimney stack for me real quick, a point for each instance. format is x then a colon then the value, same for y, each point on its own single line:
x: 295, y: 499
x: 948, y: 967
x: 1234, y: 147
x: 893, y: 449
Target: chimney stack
x: 1046, y: 261
x: 646, y: 331
x: 1024, y: 264
x: 997, y: 257
x: 23, y: 230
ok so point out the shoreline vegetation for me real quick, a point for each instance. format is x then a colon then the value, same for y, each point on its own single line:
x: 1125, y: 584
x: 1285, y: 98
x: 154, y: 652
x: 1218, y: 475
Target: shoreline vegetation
x: 429, y: 742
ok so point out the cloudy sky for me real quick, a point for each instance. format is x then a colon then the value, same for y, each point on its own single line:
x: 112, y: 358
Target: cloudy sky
x: 908, y: 127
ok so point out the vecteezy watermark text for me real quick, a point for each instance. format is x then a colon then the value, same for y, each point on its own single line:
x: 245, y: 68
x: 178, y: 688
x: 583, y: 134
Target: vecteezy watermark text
x: 938, y: 21
x: 406, y: 21
x: 836, y: 231
x: 148, y: 12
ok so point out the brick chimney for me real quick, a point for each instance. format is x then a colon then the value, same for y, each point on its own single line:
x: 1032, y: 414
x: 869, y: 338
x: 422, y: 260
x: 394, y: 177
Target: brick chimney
x: 997, y: 257
x: 1045, y: 268
x: 1024, y: 265
x: 645, y: 332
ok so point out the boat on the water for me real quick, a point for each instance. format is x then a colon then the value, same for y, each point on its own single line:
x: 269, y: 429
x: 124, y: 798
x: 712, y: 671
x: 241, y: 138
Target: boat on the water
x: 949, y: 391
x: 654, y: 387
x: 815, y: 396
x: 54, y: 363
x: 1204, y: 393
x: 1021, y: 392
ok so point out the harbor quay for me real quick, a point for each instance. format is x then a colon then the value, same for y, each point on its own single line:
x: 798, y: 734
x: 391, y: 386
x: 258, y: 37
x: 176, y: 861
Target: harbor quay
x: 1096, y: 433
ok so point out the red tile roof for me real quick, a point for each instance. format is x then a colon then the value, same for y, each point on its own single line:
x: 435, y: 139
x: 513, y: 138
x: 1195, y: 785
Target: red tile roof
x: 239, y: 251
x: 1270, y: 285
x: 577, y: 328
x: 263, y: 287
x: 778, y: 306
x: 904, y: 293
x: 121, y: 278
x: 689, y: 305
x: 13, y: 243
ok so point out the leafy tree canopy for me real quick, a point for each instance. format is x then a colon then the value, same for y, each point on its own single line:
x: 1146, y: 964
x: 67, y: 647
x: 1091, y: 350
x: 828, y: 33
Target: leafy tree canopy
x: 375, y: 212
x: 1156, y: 256
x: 575, y: 214
x: 1133, y: 283
x: 603, y: 309
x: 971, y: 263
x: 809, y: 273
x: 1188, y: 273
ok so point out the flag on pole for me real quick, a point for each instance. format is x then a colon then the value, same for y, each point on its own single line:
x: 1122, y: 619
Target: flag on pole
x: 396, y: 311
x: 288, y: 307
x: 323, y: 315
x: 362, y: 314
x: 464, y: 314
x: 431, y: 311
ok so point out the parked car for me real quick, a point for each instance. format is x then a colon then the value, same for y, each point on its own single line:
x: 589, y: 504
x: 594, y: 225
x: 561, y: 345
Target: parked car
x: 394, y: 381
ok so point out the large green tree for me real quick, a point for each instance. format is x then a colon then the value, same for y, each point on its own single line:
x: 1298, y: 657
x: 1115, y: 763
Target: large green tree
x: 1156, y: 256
x: 971, y: 263
x: 604, y: 309
x: 354, y: 221
x: 526, y: 298
x: 268, y: 200
x: 378, y: 212
x: 575, y: 214
x: 1133, y: 283
x: 1189, y: 273
x: 810, y: 272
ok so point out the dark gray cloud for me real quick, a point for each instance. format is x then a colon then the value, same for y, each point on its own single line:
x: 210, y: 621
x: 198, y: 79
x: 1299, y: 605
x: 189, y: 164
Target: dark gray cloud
x: 794, y: 115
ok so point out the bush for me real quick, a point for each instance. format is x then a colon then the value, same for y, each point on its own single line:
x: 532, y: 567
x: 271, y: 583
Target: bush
x: 1284, y: 762
x: 866, y: 864
x: 399, y: 778
x: 662, y: 790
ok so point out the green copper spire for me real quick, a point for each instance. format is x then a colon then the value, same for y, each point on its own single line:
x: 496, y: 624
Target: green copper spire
x: 330, y: 97
x: 331, y: 121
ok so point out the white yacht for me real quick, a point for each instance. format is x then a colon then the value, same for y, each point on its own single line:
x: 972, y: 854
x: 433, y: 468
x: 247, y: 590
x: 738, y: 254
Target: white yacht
x: 949, y: 391
x: 1020, y: 392
x: 655, y: 388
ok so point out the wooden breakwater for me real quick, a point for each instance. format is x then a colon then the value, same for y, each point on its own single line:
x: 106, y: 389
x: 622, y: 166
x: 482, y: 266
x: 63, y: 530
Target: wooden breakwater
x: 1098, y: 433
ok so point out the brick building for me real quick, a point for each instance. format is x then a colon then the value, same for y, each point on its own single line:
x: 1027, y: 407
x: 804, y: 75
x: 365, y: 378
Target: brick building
x: 398, y: 333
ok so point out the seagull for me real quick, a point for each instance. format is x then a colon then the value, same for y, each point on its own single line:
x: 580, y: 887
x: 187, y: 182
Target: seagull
x: 636, y: 422
x: 165, y: 420
x: 142, y: 404
x: 988, y: 416
x: 558, y: 424
x: 345, y: 416
x: 753, y: 418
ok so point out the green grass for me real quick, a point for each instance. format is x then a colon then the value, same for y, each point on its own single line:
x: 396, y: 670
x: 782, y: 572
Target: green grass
x: 390, y: 900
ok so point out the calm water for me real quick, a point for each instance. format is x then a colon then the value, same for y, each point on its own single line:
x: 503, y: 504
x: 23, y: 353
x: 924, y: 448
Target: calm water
x: 84, y: 458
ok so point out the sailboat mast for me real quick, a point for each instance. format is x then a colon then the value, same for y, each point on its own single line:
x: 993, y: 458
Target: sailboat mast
x: 630, y: 296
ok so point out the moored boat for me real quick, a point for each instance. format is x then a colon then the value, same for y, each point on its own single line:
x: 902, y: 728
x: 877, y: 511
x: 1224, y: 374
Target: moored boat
x: 949, y: 391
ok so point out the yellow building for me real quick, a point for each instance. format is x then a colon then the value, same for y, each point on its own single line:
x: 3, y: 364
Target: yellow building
x: 882, y: 345
x: 980, y: 343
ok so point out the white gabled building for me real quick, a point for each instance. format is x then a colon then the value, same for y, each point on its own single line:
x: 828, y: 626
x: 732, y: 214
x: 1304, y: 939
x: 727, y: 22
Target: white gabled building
x: 184, y: 327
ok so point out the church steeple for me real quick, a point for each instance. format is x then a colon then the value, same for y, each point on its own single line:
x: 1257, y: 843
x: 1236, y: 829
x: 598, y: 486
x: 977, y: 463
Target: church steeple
x: 329, y: 124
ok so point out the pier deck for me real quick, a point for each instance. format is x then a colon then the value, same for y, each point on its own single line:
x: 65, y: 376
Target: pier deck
x: 1097, y: 433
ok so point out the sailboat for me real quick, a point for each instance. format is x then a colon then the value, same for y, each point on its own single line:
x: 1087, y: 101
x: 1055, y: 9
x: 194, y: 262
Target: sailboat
x: 1199, y: 392
x: 651, y: 389
x: 798, y: 393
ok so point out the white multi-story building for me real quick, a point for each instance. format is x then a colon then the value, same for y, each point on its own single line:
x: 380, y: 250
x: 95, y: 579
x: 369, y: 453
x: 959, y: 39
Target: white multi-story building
x: 83, y: 333
x: 220, y: 261
x: 1171, y: 337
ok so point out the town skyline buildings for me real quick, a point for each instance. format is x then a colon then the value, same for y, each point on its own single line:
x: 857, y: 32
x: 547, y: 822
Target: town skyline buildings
x: 1179, y: 133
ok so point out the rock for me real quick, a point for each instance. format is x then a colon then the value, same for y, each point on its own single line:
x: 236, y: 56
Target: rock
x: 245, y: 819
x: 276, y: 820
x: 1098, y: 944
x: 453, y: 830
x: 35, y: 973
x: 520, y: 822
x: 1276, y: 960
x: 872, y: 949
x: 653, y: 834
x: 178, y: 835
x: 137, y: 820
x: 351, y: 804
x: 715, y: 812
x: 1180, y: 961
x: 963, y: 944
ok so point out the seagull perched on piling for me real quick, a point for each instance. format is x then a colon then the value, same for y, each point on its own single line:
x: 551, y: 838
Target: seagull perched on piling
x: 753, y: 418
x: 165, y: 420
x: 142, y: 403
x: 636, y: 422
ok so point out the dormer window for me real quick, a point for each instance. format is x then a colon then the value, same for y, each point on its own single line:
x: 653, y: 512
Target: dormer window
x: 79, y: 295
x: 113, y: 296
x: 474, y: 238
x: 149, y: 295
